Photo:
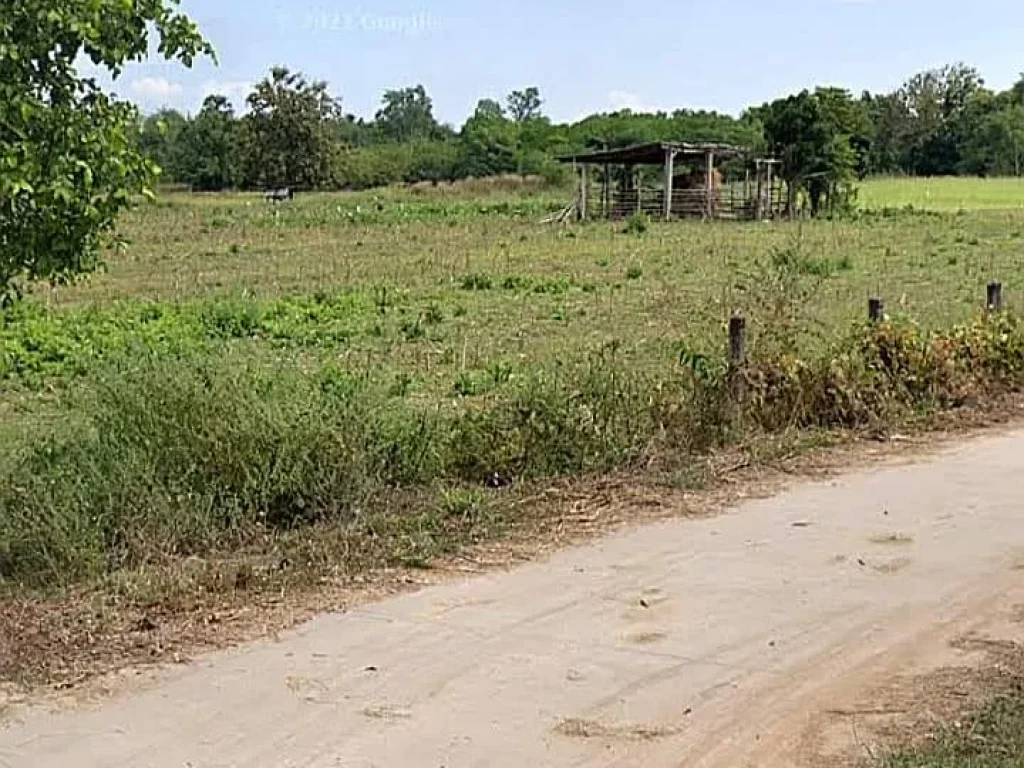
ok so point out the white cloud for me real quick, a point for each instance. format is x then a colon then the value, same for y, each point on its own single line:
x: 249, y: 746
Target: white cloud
x: 235, y: 90
x: 619, y: 100
x: 156, y: 88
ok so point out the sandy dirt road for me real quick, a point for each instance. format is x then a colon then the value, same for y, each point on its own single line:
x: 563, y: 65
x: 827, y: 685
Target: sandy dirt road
x: 715, y: 642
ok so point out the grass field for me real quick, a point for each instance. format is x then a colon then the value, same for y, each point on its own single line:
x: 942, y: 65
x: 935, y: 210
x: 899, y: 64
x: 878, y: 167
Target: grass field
x: 245, y: 371
x: 439, y: 290
x: 945, y: 194
x: 991, y: 738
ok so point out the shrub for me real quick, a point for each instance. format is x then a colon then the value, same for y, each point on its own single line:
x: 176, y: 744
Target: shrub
x: 637, y: 224
x: 477, y: 282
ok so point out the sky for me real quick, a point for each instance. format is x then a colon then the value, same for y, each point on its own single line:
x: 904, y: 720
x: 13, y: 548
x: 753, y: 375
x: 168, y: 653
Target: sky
x: 585, y: 57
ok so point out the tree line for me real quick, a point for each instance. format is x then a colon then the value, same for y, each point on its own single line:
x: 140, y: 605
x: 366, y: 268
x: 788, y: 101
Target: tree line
x: 293, y: 131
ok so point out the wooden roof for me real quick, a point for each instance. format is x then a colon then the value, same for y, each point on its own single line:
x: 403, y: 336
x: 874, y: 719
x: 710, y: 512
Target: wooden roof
x: 654, y: 153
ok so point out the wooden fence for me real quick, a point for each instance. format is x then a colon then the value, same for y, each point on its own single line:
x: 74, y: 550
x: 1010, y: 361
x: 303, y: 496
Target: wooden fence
x: 730, y: 202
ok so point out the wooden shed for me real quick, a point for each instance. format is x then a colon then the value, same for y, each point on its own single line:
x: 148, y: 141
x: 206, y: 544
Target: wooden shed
x: 691, y: 183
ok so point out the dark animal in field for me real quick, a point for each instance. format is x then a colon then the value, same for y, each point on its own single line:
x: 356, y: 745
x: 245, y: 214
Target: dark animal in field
x: 280, y: 195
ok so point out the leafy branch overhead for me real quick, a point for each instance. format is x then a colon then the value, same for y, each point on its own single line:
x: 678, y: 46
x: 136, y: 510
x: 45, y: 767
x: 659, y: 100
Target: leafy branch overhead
x: 70, y: 158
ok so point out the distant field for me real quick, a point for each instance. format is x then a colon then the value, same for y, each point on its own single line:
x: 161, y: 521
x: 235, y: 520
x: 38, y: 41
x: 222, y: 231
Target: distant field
x: 944, y: 194
x: 434, y: 290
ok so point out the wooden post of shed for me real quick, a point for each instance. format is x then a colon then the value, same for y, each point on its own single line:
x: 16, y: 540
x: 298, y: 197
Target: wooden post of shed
x: 709, y: 184
x: 670, y: 158
x: 606, y: 199
x: 638, y: 182
x: 759, y: 200
x: 583, y: 192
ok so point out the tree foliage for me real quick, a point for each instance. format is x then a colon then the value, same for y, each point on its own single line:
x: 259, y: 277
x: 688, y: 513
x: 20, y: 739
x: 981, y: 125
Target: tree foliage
x: 207, y: 157
x: 821, y: 138
x: 70, y: 157
x: 941, y: 121
x: 525, y: 104
x: 407, y: 114
x: 160, y: 139
x: 287, y: 137
x: 945, y: 121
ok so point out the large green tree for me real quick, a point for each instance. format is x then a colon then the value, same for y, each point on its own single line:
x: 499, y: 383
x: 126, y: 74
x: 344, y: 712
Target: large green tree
x: 939, y: 105
x: 489, y: 142
x: 289, y: 137
x: 890, y: 124
x: 525, y: 104
x: 208, y: 147
x: 159, y: 140
x: 822, y: 138
x: 407, y: 114
x: 70, y: 159
x: 995, y: 144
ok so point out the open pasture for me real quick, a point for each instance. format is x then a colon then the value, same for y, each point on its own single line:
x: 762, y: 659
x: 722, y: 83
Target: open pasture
x: 434, y: 290
x: 954, y: 193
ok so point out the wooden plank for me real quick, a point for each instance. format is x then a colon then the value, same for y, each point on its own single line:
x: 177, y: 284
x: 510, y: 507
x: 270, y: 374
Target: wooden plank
x: 670, y: 158
x: 583, y: 193
x: 709, y: 183
x: 759, y: 202
x: 606, y: 200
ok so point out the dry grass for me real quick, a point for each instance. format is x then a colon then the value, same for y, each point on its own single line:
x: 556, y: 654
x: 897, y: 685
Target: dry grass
x: 74, y: 642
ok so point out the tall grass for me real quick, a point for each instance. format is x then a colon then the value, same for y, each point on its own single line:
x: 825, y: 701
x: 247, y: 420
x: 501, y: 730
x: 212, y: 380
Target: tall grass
x: 157, y: 459
x: 248, y: 374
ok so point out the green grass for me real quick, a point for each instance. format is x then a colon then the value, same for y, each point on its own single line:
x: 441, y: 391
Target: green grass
x: 245, y: 372
x: 944, y: 194
x: 994, y: 738
x: 479, y: 289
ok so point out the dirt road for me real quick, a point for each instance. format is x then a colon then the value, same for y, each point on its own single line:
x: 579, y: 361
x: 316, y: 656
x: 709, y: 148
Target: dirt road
x: 730, y: 641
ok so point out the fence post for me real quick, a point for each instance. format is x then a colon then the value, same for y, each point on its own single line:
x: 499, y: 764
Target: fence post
x: 737, y: 357
x: 995, y: 296
x: 876, y: 310
x: 737, y: 341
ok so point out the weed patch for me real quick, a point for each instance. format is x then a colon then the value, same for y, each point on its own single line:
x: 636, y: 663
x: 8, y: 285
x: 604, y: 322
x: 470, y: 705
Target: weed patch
x: 993, y: 738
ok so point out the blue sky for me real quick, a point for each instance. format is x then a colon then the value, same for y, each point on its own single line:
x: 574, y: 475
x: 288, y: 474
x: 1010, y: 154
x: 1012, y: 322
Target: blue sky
x: 586, y: 56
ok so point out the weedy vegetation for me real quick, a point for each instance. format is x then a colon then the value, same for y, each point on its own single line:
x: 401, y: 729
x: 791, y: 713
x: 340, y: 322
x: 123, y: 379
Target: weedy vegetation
x: 993, y: 737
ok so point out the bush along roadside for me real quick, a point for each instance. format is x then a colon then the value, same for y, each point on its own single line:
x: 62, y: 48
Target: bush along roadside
x: 159, y: 459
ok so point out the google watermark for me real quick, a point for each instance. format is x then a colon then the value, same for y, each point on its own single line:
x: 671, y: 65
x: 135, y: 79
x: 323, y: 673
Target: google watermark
x: 322, y: 21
